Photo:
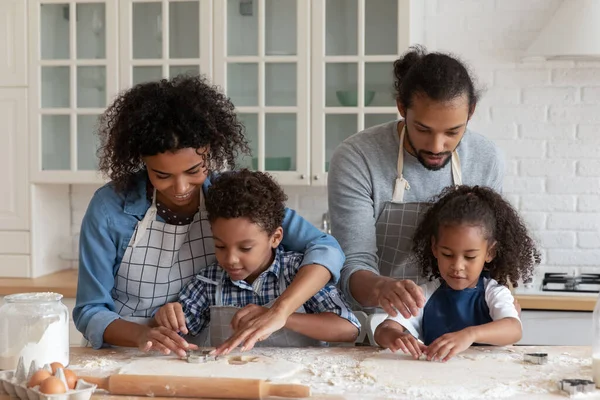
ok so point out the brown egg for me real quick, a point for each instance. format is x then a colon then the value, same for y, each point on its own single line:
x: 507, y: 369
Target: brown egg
x: 71, y: 378
x: 55, y: 366
x: 38, y: 377
x: 53, y: 385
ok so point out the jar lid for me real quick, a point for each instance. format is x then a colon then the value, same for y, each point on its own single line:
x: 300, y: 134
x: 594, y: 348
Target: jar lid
x: 33, y: 297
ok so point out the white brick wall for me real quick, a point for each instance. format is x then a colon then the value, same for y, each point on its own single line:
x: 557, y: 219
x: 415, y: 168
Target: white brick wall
x: 544, y: 115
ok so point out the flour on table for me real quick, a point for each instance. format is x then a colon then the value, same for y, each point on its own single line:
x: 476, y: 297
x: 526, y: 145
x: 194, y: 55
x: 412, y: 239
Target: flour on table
x: 483, y: 374
x: 246, y: 365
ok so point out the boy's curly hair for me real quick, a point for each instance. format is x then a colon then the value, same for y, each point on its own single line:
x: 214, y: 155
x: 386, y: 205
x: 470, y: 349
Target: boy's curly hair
x: 166, y: 115
x: 515, y: 254
x: 247, y: 194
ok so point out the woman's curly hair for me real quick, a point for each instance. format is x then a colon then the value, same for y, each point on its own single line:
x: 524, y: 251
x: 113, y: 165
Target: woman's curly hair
x: 515, y: 253
x: 247, y: 194
x: 166, y: 115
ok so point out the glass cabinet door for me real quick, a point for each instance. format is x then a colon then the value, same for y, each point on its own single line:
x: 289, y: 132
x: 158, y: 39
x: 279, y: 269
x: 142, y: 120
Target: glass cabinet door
x: 262, y: 61
x: 163, y: 39
x: 354, y: 46
x: 74, y: 74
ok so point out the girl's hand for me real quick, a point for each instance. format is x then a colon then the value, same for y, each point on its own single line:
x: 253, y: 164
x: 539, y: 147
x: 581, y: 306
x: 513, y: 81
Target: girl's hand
x: 449, y: 345
x: 164, y: 340
x: 171, y: 316
x: 390, y: 335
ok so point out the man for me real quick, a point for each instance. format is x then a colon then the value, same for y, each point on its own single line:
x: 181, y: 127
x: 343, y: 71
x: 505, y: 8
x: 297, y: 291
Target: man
x: 382, y: 179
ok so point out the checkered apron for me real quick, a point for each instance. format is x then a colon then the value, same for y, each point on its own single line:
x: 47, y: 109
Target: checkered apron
x: 221, y: 316
x: 160, y: 258
x: 397, y: 224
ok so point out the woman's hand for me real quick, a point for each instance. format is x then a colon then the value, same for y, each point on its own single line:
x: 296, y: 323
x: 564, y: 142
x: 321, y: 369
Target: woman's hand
x: 403, y: 296
x: 252, y: 324
x: 449, y: 345
x: 163, y: 340
x: 391, y: 335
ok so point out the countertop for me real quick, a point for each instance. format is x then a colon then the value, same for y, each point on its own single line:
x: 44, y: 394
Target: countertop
x: 340, y: 372
x: 65, y: 283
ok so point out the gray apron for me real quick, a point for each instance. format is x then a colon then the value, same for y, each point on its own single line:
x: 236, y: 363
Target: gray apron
x: 160, y: 258
x: 398, y: 221
x: 221, y: 316
x: 396, y: 226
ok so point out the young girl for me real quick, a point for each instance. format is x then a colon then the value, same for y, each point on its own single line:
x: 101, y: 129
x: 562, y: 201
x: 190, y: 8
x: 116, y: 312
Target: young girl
x: 470, y: 244
x: 145, y: 233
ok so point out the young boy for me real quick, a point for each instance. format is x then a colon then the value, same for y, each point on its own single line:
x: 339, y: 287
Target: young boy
x: 246, y: 210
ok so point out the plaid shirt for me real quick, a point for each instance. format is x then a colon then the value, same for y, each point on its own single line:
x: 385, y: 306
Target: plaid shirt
x: 198, y: 295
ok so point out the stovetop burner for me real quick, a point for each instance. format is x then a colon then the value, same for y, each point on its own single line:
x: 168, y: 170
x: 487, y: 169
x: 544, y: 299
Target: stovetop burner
x: 584, y: 283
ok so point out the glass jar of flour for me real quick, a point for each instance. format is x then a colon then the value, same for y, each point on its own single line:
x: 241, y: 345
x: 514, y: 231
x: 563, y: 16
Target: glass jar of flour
x: 34, y: 326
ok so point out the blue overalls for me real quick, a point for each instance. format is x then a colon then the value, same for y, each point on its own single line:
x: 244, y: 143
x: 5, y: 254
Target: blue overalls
x: 449, y: 310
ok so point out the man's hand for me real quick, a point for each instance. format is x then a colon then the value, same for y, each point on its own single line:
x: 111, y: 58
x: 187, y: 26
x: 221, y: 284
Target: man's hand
x: 171, y: 316
x: 402, y: 295
x: 164, y: 340
x: 449, y: 345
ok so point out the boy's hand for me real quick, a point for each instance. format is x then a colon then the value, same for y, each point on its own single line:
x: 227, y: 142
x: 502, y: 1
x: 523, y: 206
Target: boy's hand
x: 246, y: 314
x: 164, y: 340
x: 449, y: 345
x: 171, y: 316
x: 390, y: 335
x: 259, y: 327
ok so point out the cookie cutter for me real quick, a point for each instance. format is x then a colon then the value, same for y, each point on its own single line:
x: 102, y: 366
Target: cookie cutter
x: 574, y: 386
x: 536, y: 358
x: 199, y: 356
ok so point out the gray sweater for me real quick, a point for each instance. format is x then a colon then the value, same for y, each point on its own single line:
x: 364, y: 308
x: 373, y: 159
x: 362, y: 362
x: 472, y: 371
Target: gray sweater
x: 361, y: 180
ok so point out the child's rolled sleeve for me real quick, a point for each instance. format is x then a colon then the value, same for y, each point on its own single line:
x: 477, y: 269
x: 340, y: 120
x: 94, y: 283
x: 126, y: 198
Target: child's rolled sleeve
x: 329, y: 299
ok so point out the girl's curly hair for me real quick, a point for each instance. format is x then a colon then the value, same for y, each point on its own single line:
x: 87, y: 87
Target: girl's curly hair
x: 166, y: 115
x: 515, y: 253
x: 247, y: 194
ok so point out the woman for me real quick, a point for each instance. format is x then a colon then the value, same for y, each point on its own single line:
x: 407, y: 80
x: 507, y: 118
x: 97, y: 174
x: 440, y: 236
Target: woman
x: 145, y: 233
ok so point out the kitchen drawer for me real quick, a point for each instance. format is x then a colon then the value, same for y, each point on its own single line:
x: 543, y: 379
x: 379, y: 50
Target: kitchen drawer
x: 556, y: 328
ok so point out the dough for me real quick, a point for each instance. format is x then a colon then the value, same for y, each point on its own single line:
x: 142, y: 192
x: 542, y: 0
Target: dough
x: 244, y: 365
x: 462, y: 377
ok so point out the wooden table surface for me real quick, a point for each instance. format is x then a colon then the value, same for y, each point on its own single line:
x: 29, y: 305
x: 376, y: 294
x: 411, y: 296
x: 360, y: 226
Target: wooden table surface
x: 574, y: 361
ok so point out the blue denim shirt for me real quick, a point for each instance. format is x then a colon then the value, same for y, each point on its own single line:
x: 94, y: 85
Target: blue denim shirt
x: 107, y: 227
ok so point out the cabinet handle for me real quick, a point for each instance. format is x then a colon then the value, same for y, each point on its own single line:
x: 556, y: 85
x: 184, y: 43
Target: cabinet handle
x: 316, y: 177
x: 302, y: 176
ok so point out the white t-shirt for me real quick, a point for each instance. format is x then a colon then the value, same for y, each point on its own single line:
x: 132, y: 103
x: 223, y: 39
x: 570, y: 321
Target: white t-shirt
x: 497, y: 297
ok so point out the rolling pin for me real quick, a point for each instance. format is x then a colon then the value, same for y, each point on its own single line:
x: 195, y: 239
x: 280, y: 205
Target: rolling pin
x: 179, y: 386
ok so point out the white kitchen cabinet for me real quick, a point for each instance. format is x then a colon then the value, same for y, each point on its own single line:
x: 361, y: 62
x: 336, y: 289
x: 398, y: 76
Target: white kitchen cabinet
x: 73, y: 76
x: 353, y: 48
x: 14, y: 200
x: 263, y: 63
x: 13, y: 43
x: 164, y: 38
x: 303, y: 74
x: 556, y: 328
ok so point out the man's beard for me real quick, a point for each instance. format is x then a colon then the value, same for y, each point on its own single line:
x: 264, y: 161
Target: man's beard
x: 420, y: 153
